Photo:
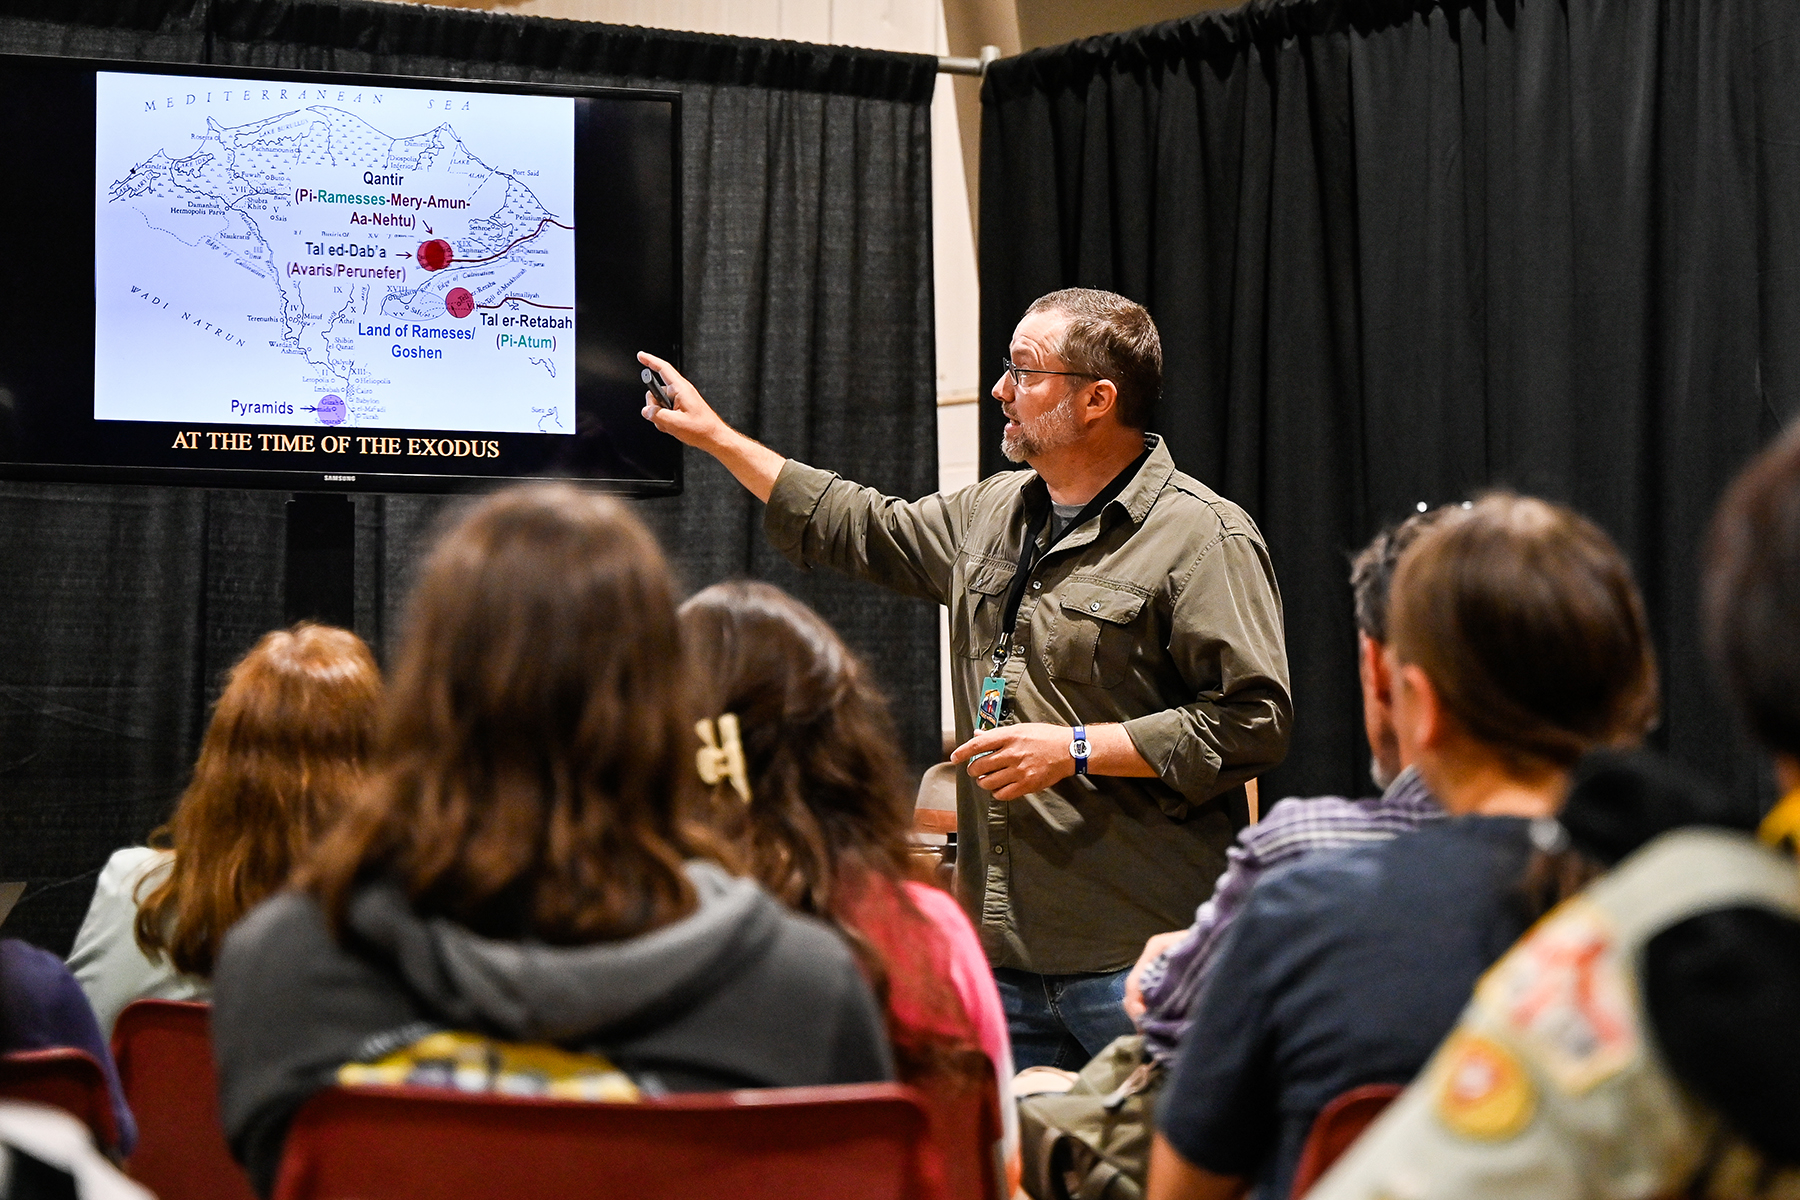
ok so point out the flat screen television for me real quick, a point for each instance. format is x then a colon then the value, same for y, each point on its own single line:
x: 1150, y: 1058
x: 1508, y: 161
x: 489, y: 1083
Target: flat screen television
x: 333, y: 282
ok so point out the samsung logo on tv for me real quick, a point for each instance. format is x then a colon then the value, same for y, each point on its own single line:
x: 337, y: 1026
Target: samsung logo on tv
x: 340, y: 479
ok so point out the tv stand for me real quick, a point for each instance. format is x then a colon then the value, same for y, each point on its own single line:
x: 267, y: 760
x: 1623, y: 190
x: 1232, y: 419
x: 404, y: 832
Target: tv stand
x: 321, y: 559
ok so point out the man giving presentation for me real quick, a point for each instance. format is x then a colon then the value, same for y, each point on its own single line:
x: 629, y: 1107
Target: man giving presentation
x: 1118, y: 662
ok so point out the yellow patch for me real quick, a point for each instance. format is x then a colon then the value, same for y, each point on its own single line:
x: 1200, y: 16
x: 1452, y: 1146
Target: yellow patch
x: 1483, y: 1091
x: 1781, y: 828
x: 468, y: 1062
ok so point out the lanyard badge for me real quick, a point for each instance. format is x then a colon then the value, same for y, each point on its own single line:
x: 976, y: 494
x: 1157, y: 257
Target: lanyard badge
x: 993, y: 687
x: 993, y: 698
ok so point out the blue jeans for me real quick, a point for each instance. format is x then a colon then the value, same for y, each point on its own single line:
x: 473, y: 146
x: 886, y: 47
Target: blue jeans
x: 1061, y: 1020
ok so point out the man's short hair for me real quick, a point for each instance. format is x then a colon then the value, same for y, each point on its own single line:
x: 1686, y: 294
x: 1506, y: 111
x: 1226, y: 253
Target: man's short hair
x: 1752, y: 594
x: 1113, y: 338
x: 1372, y: 570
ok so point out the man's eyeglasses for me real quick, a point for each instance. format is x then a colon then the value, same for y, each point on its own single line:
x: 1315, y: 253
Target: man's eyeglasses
x: 1019, y: 373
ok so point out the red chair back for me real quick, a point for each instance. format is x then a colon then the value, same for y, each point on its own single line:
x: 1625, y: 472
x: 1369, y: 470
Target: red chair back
x: 1338, y: 1125
x: 64, y: 1078
x: 864, y: 1140
x: 164, y: 1052
x: 965, y: 1135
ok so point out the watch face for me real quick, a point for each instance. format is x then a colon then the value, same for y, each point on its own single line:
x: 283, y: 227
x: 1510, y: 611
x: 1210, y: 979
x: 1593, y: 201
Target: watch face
x: 1078, y: 749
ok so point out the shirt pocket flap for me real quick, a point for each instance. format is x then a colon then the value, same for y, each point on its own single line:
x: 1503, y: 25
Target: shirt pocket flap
x: 991, y: 577
x: 1110, y: 604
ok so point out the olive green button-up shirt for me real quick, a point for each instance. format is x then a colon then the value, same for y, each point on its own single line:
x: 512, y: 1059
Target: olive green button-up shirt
x: 1161, y: 613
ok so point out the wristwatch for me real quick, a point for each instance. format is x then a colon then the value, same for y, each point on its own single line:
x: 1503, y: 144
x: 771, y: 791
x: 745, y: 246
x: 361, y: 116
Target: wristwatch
x: 1078, y: 749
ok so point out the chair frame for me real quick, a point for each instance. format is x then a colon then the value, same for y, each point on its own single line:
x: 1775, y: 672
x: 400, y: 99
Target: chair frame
x: 48, y: 1076
x: 684, y: 1122
x: 1325, y: 1142
x: 173, y: 1117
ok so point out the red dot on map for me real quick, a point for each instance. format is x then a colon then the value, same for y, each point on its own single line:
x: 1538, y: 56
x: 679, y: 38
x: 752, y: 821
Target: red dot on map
x: 435, y: 255
x: 459, y: 302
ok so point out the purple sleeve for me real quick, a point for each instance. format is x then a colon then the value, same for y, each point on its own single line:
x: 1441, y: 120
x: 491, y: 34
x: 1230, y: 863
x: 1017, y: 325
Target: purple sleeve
x: 1177, y: 976
x: 42, y: 1007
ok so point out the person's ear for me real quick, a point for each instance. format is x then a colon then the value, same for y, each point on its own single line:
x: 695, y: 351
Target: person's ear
x: 1378, y: 707
x: 1102, y: 398
x: 1428, y: 718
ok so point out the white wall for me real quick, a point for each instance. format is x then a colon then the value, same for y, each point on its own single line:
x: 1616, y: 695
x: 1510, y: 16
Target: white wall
x: 878, y: 24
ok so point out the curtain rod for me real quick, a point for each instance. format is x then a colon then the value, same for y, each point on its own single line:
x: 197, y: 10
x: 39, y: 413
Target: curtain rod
x: 969, y: 66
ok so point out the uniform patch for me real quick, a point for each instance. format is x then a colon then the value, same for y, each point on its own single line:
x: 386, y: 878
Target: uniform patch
x: 1483, y: 1091
x: 468, y: 1062
x: 1781, y: 828
x: 1567, y: 997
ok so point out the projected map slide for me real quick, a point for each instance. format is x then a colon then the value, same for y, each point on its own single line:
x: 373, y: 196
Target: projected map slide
x: 333, y: 256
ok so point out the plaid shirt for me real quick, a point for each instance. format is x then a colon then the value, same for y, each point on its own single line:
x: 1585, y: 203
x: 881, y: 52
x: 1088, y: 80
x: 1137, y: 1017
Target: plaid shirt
x: 1293, y: 828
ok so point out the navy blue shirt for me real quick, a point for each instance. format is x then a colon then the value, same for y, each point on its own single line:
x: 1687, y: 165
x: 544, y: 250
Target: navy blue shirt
x: 42, y: 1007
x: 1344, y: 969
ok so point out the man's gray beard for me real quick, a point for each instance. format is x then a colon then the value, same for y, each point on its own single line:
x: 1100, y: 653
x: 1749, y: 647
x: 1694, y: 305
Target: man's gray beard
x: 1052, y: 431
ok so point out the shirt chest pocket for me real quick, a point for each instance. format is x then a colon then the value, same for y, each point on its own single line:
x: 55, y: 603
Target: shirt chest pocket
x: 975, y: 610
x: 1095, y: 633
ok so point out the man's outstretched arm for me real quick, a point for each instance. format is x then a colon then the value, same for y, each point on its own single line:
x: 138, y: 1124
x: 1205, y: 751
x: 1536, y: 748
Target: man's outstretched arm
x: 816, y: 519
x: 693, y: 422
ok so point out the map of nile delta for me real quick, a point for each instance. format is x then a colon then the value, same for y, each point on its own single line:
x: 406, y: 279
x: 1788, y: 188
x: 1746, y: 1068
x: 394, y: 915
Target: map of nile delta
x: 271, y: 254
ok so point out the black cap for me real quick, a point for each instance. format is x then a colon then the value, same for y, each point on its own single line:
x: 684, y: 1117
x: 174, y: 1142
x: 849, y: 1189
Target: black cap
x: 1621, y: 799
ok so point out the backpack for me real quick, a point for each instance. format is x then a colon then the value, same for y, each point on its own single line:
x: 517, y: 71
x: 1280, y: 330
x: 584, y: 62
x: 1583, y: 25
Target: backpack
x: 1092, y: 1142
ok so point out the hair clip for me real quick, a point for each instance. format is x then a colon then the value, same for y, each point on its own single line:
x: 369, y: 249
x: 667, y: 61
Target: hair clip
x: 722, y: 756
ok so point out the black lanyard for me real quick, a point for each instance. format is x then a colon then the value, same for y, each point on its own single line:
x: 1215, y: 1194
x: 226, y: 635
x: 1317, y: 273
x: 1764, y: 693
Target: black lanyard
x: 1028, y: 555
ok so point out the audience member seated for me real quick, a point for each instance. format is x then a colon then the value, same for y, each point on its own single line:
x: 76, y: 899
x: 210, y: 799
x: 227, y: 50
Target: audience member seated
x: 1518, y: 643
x: 42, y: 1008
x: 827, y: 815
x: 282, y: 753
x: 1641, y: 1040
x: 1100, y: 1124
x: 529, y: 895
x: 45, y: 1153
x: 1162, y: 989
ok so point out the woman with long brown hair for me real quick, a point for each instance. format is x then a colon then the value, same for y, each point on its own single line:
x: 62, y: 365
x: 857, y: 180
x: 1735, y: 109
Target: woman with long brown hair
x: 284, y: 749
x: 827, y: 815
x: 529, y: 894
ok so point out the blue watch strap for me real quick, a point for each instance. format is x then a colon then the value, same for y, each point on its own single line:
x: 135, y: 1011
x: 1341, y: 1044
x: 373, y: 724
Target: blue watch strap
x: 1078, y: 749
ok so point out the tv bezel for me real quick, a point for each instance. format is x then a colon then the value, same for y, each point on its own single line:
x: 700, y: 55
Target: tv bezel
x: 359, y: 481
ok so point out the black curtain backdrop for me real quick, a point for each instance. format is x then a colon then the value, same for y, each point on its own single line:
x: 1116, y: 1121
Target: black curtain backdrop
x: 1403, y: 252
x: 806, y: 231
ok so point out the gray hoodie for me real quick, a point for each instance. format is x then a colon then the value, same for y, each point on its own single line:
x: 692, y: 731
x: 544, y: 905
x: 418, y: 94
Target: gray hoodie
x: 741, y: 993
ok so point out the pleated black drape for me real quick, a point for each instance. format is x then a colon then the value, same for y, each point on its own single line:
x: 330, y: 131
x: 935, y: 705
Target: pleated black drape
x: 807, y: 244
x: 1402, y: 252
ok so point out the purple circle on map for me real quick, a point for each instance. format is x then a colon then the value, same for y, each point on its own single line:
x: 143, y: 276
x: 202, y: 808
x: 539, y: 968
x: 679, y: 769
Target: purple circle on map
x: 331, y: 410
